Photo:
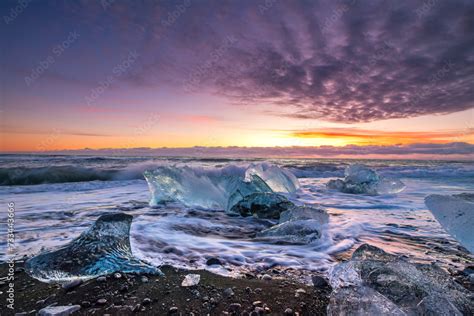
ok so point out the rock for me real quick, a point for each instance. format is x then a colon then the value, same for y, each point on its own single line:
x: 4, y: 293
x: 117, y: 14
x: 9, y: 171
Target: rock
x: 374, y: 282
x: 288, y: 312
x: 235, y: 307
x: 266, y: 277
x: 86, y: 304
x: 173, y: 310
x: 319, y: 281
x: 299, y: 292
x: 228, y: 292
x: 72, y: 284
x: 59, y: 310
x: 257, y: 303
x: 213, y: 261
x: 144, y: 279
x: 101, y: 301
x: 101, y: 279
x: 262, y: 205
x: 117, y: 275
x: 191, y: 280
x: 146, y: 301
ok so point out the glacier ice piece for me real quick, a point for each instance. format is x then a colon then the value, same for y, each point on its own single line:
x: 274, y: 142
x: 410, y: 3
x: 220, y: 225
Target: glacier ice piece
x: 191, y: 280
x: 360, y: 179
x: 358, y: 173
x: 456, y: 214
x: 262, y: 205
x: 376, y: 282
x: 209, y: 189
x: 299, y: 224
x: 278, y: 179
x: 102, y: 249
x: 295, y: 232
x: 304, y: 212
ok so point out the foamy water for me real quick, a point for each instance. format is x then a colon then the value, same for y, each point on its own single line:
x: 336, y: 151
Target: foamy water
x: 51, y: 214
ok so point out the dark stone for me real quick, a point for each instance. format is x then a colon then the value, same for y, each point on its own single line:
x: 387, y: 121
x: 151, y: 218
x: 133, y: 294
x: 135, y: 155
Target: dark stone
x: 319, y: 281
x: 212, y: 261
x: 263, y: 205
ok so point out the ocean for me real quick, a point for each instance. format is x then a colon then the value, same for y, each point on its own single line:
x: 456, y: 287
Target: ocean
x: 57, y: 197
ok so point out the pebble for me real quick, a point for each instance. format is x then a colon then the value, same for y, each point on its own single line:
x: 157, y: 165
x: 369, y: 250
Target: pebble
x: 101, y: 301
x: 299, y: 292
x: 228, y: 292
x: 288, y: 311
x: 266, y: 277
x: 471, y: 278
x: 72, y: 284
x: 173, y: 310
x: 235, y: 307
x: 213, y: 261
x: 258, y: 290
x: 257, y: 303
x: 117, y: 275
x: 146, y: 301
x: 319, y: 281
x: 101, y: 279
x: 144, y: 279
x: 86, y: 304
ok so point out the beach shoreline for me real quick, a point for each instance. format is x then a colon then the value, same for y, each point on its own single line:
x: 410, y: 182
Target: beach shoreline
x: 129, y: 294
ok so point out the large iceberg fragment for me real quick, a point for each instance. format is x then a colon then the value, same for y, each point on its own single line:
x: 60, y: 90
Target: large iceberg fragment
x: 456, y: 214
x: 297, y: 225
x: 216, y: 188
x: 362, y: 180
x: 278, y: 179
x: 374, y: 282
x: 102, y: 249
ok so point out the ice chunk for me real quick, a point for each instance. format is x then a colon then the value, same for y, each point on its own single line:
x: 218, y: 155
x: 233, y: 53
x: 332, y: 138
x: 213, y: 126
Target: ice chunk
x: 102, y: 249
x: 357, y: 173
x: 295, y: 232
x: 300, y: 225
x: 304, y: 212
x: 456, y: 214
x: 361, y: 180
x: 262, y: 205
x: 278, y: 179
x: 191, y: 280
x: 194, y: 187
x: 375, y: 282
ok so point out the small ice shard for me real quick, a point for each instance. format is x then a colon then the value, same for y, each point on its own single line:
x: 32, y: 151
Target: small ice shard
x: 102, y: 249
x: 294, y: 232
x: 262, y: 205
x: 278, y: 179
x: 59, y: 310
x: 191, y: 280
x: 360, y: 179
x: 298, y: 225
x: 378, y: 283
x: 456, y: 214
x: 304, y: 212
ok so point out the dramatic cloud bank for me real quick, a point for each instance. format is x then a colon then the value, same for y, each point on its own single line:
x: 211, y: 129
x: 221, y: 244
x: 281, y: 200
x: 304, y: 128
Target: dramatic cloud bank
x: 343, y: 61
x: 448, y: 151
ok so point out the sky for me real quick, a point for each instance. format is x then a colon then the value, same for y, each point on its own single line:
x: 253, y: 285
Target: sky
x: 264, y: 73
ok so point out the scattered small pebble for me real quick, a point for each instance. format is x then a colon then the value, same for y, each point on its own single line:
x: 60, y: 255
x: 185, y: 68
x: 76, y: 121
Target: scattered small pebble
x: 101, y: 279
x: 144, y: 279
x: 173, y: 310
x: 288, y: 311
x: 266, y: 277
x: 72, y: 284
x: 117, y: 275
x: 319, y: 281
x: 146, y: 301
x: 101, y: 301
x: 228, y: 292
x: 257, y: 303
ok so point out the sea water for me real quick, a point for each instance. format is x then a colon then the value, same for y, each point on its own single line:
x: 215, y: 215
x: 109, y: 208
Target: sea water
x: 58, y: 197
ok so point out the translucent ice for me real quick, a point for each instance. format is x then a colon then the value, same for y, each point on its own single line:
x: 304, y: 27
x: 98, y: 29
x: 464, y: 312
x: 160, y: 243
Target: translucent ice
x: 362, y: 180
x: 300, y: 225
x: 191, y: 280
x: 374, y: 282
x: 216, y: 188
x: 278, y: 179
x: 456, y: 214
x: 102, y: 249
